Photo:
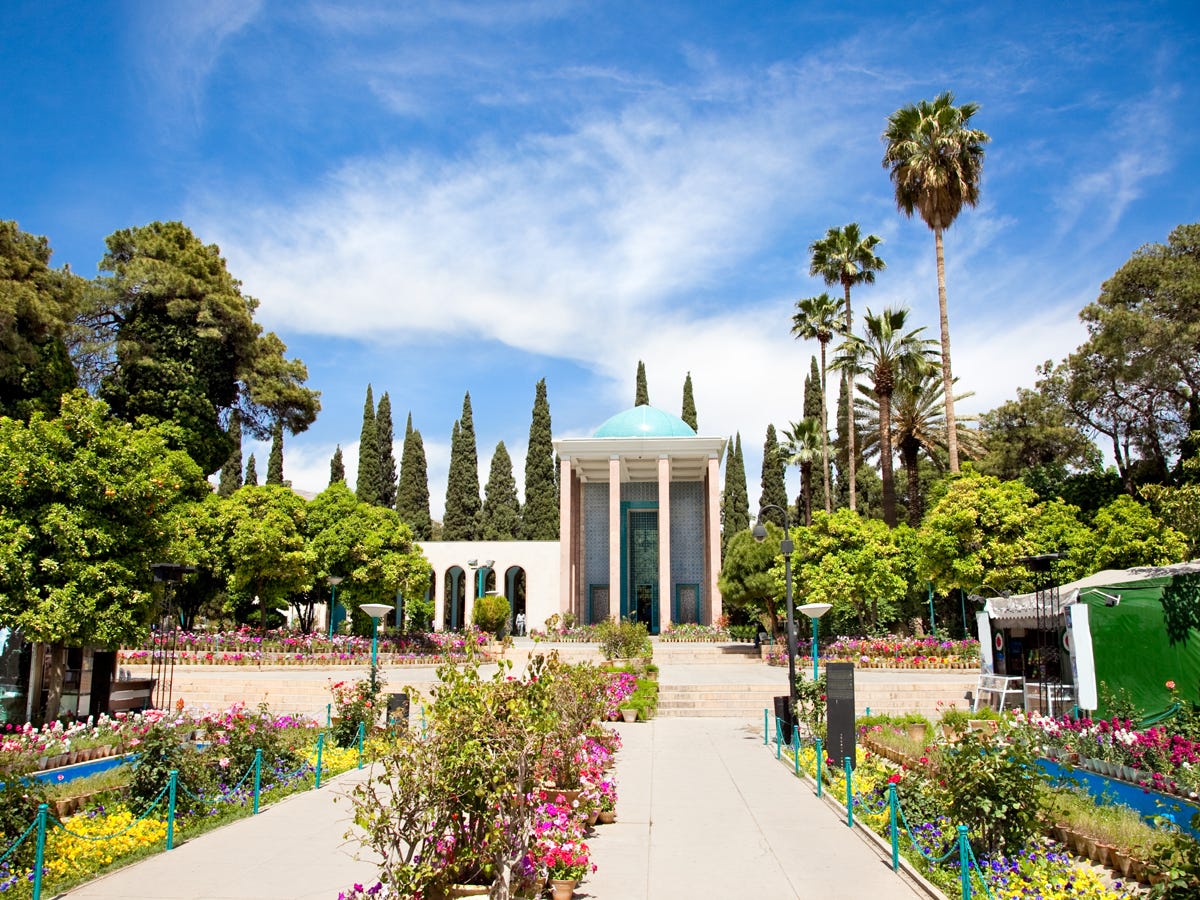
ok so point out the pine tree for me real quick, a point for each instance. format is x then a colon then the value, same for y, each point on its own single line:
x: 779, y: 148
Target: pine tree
x: 735, y: 503
x: 337, y: 468
x: 384, y: 439
x: 462, y: 483
x: 275, y: 460
x: 642, y: 397
x: 689, y: 403
x: 539, y: 518
x: 501, y: 516
x: 231, y: 472
x: 774, y: 487
x: 412, y: 497
x: 367, y: 488
x: 251, y: 479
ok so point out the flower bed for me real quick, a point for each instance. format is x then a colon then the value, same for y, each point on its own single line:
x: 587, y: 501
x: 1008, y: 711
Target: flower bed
x: 777, y: 656
x: 700, y: 633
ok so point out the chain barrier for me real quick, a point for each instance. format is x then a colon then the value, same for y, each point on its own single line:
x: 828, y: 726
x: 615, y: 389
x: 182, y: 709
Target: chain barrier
x: 56, y: 823
x: 979, y: 869
x: 13, y: 848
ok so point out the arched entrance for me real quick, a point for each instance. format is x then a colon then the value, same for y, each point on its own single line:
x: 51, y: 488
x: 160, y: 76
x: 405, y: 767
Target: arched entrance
x: 456, y: 599
x: 514, y: 590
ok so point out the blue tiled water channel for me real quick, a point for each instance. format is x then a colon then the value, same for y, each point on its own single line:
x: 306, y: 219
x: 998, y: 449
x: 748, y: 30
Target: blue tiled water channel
x: 1112, y: 791
x: 83, y: 769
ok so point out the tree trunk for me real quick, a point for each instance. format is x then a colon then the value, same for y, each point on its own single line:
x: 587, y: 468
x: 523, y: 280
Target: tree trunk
x: 54, y: 685
x: 947, y: 378
x: 825, y: 433
x: 851, y: 465
x: 885, y: 460
x: 806, y: 491
x: 908, y: 452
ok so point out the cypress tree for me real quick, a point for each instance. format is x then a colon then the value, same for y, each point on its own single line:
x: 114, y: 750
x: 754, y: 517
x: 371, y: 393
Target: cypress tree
x: 367, y: 488
x: 642, y: 397
x: 462, y: 484
x: 735, y: 503
x: 774, y: 487
x: 337, y: 468
x: 251, y: 479
x: 384, y: 439
x: 812, y: 410
x: 412, y: 497
x: 275, y: 460
x: 500, y: 519
x: 689, y: 403
x: 231, y: 472
x: 841, y: 492
x: 539, y: 518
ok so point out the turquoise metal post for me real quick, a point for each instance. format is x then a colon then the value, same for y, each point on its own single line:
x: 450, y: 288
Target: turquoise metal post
x: 816, y: 624
x: 328, y: 714
x: 893, y: 802
x: 820, y: 760
x: 423, y: 726
x: 778, y: 736
x: 849, y: 793
x: 362, y: 730
x: 332, y: 606
x: 932, y: 623
x: 766, y: 726
x: 374, y: 649
x: 964, y: 862
x: 320, y: 749
x: 796, y: 752
x: 39, y: 859
x: 257, y: 777
x: 172, y: 785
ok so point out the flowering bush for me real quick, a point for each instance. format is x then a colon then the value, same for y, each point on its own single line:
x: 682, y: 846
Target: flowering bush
x: 683, y: 631
x: 357, y: 703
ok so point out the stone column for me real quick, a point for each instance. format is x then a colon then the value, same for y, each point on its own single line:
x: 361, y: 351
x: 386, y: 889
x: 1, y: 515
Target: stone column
x: 665, y: 595
x: 566, y: 536
x: 614, y: 537
x: 712, y: 554
x: 439, y: 600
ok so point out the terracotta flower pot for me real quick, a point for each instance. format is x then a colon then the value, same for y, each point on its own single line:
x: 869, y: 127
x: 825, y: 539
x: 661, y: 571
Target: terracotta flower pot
x: 608, y: 816
x: 562, y: 888
x: 629, y: 715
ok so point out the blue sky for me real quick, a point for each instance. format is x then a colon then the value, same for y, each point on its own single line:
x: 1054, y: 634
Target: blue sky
x: 453, y: 196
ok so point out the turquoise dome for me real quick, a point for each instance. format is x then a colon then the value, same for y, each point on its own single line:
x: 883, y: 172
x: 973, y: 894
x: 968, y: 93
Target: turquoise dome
x: 644, y: 422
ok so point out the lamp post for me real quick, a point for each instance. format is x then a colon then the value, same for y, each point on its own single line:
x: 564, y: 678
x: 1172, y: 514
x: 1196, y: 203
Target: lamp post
x: 333, y: 581
x: 376, y: 611
x: 814, y: 611
x: 786, y: 546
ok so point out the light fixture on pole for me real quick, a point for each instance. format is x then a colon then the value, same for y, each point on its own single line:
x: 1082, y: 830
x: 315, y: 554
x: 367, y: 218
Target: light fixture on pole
x: 333, y: 581
x: 814, y: 611
x: 376, y: 611
x: 786, y: 546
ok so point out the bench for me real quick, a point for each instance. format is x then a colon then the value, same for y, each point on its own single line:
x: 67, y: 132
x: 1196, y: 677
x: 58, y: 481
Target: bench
x: 133, y: 695
x: 1000, y: 687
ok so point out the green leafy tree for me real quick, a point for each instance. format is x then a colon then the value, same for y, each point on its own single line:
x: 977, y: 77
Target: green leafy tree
x: 847, y: 258
x: 735, y: 500
x: 275, y: 460
x: 491, y: 613
x: 264, y: 529
x: 501, y: 515
x: 774, y: 486
x: 540, y: 516
x: 1126, y: 533
x: 746, y: 581
x: 642, y: 394
x: 689, y: 403
x: 84, y: 503
x: 462, y: 487
x: 385, y: 437
x: 935, y: 160
x: 801, y: 446
x: 412, y: 496
x: 1179, y: 507
x: 231, y: 472
x: 251, y: 479
x: 337, y: 468
x: 37, y: 305
x: 197, y: 539
x: 887, y: 354
x: 369, y: 475
x: 816, y: 318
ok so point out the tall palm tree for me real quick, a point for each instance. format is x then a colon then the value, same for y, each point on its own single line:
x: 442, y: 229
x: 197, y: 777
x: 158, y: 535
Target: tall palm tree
x: 801, y: 443
x: 918, y: 426
x: 936, y: 160
x: 888, y: 354
x: 847, y: 258
x: 816, y: 319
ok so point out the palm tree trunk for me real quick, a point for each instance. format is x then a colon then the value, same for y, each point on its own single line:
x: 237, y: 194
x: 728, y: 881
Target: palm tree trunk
x: 885, y: 460
x: 851, y: 467
x: 825, y: 432
x: 947, y: 378
x: 908, y: 452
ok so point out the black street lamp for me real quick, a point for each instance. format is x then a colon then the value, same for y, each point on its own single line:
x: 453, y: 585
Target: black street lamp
x: 787, y: 547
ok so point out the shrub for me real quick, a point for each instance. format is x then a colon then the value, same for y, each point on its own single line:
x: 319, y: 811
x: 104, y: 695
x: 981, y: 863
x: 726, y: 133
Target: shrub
x: 160, y: 751
x: 356, y: 702
x: 491, y: 614
x: 624, y: 639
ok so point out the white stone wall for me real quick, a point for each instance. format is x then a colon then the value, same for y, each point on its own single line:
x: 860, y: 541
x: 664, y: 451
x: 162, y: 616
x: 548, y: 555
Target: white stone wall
x: 540, y: 560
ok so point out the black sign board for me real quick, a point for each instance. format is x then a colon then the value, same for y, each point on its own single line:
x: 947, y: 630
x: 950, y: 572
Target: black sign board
x: 839, y: 696
x: 784, y: 718
x: 397, y: 711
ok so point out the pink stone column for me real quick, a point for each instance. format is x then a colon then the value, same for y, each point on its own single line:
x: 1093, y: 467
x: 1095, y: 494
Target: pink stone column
x: 712, y: 554
x: 665, y: 594
x: 566, y: 536
x: 614, y: 537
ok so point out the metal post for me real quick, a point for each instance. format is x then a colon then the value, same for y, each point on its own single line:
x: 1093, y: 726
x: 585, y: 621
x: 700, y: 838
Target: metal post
x: 796, y: 752
x: 374, y: 651
x: 820, y: 760
x: 171, y: 787
x: 257, y: 777
x: 328, y: 715
x: 423, y: 726
x: 932, y: 623
x: 778, y: 736
x: 849, y: 793
x: 320, y: 749
x: 766, y: 727
x: 787, y: 546
x: 332, y: 606
x: 893, y: 802
x: 362, y: 730
x: 964, y: 862
x: 39, y: 859
x: 962, y: 598
x: 816, y: 625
